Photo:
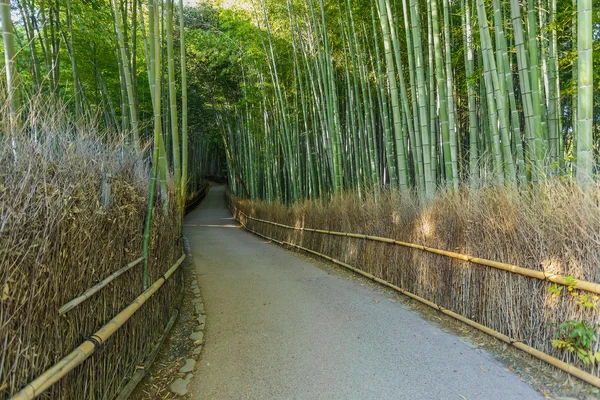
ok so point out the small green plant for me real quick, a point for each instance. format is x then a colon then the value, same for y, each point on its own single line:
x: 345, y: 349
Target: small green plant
x: 578, y: 337
x: 571, y: 283
x: 555, y: 289
x: 584, y: 300
x: 588, y: 301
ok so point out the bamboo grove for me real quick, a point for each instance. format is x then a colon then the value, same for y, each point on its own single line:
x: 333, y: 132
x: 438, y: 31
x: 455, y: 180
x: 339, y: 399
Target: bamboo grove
x: 104, y: 48
x: 117, y: 63
x: 414, y: 95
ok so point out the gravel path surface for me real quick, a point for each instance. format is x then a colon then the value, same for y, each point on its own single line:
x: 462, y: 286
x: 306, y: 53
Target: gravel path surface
x: 279, y: 326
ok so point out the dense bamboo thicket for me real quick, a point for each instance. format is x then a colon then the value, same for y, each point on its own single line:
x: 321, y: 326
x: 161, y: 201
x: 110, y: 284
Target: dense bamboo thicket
x: 413, y: 94
x: 556, y: 230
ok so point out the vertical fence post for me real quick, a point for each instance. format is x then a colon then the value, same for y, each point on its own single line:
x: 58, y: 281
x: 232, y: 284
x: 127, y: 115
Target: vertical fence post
x: 106, y: 189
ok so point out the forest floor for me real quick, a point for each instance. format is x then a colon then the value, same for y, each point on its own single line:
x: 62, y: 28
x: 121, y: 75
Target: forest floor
x: 281, y: 325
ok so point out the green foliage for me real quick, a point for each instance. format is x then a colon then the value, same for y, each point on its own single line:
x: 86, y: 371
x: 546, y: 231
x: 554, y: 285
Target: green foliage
x: 578, y: 337
x: 574, y: 336
x: 587, y: 301
x: 555, y: 289
x: 571, y: 283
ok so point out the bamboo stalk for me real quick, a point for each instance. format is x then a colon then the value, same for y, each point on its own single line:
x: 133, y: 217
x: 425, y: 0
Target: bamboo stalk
x: 395, y: 97
x: 88, y: 293
x: 87, y: 348
x: 11, y: 64
x: 184, y: 109
x: 585, y: 95
x: 173, y: 102
x: 128, y: 76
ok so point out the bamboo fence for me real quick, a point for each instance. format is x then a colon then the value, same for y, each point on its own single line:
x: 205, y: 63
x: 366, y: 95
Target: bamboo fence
x: 591, y: 287
x: 514, y: 269
x: 58, y: 284
x: 88, y: 347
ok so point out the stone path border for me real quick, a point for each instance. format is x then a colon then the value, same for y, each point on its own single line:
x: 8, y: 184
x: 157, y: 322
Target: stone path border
x: 180, y: 385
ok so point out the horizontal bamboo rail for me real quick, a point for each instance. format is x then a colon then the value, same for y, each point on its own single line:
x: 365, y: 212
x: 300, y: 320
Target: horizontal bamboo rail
x: 591, y: 287
x: 81, y: 353
x: 568, y: 368
x: 140, y: 373
x: 88, y: 293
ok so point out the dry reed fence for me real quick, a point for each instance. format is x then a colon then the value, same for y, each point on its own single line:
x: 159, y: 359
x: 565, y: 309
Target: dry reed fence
x: 553, y: 228
x: 57, y: 240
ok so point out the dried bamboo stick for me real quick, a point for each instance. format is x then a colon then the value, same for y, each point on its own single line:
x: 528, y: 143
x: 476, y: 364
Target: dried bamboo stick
x: 568, y: 368
x: 88, y: 293
x: 81, y: 353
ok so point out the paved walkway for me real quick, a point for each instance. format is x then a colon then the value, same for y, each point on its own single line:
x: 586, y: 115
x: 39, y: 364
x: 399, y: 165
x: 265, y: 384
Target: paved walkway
x: 281, y: 327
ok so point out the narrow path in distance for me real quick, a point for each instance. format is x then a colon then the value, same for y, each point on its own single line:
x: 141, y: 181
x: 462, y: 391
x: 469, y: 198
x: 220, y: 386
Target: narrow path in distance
x: 282, y: 327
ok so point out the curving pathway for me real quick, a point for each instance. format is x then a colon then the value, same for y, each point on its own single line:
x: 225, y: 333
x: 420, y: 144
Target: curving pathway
x: 281, y: 327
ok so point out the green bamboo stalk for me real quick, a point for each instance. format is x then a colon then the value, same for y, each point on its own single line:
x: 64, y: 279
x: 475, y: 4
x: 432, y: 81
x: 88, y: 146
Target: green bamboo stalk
x: 422, y: 101
x: 29, y: 31
x: 498, y: 86
x: 334, y: 119
x: 469, y: 69
x: 148, y: 219
x: 10, y: 62
x: 431, y: 100
x: 450, y: 94
x: 506, y: 78
x: 173, y: 102
x: 555, y: 150
x: 540, y: 136
x: 391, y: 77
x: 532, y: 123
x: 404, y: 102
x: 553, y: 95
x: 443, y: 98
x: 413, y: 94
x: 360, y: 101
x: 127, y: 76
x: 353, y: 113
x: 184, y: 108
x: 370, y: 116
x: 281, y: 107
x: 574, y: 101
x: 585, y: 140
x: 384, y: 114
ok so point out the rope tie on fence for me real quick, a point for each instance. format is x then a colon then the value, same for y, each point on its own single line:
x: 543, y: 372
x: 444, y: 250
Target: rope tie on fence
x: 548, y: 275
x: 95, y: 340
